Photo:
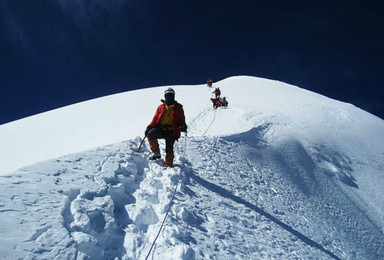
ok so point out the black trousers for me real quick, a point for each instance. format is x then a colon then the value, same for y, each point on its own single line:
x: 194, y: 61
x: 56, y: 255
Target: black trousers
x: 158, y: 133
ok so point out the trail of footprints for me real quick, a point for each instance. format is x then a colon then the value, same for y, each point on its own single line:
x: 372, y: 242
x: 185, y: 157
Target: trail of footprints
x: 121, y: 215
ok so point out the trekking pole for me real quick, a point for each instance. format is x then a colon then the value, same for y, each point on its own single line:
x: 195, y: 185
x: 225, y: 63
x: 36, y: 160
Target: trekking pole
x: 185, y: 145
x: 138, y: 150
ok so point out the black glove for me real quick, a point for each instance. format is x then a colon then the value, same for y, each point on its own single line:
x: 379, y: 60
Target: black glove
x: 183, y: 128
x: 147, y: 130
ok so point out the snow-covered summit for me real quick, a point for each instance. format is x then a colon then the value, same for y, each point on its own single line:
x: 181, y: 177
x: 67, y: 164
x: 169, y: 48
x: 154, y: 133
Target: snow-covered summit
x: 119, y: 117
x: 281, y: 173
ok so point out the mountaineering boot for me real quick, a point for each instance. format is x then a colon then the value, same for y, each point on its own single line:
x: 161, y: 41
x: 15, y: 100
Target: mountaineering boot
x: 155, y: 156
x: 168, y: 160
x: 154, y: 145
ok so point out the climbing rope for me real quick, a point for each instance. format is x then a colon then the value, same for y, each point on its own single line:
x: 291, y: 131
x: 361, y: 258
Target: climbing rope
x: 184, y: 152
x: 165, y: 217
x: 213, y: 120
x: 170, y: 203
x: 298, y: 234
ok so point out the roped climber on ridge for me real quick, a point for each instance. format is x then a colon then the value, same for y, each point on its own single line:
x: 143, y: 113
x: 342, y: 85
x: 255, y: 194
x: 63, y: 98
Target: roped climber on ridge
x: 167, y: 123
x: 217, y: 92
x: 209, y: 82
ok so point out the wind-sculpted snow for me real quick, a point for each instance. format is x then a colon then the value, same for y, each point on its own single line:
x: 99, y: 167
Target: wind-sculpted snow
x: 286, y: 178
x: 102, y: 204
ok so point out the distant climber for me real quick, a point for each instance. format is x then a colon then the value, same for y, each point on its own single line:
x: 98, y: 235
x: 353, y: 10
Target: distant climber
x: 219, y: 102
x: 168, y: 123
x: 224, y: 102
x: 209, y: 83
x: 217, y: 92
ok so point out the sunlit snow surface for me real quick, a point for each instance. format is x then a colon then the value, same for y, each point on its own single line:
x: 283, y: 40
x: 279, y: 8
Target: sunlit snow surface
x: 282, y: 173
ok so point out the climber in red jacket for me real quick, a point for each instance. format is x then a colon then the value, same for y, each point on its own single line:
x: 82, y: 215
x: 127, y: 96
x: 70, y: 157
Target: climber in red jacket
x: 209, y: 83
x: 217, y: 92
x: 168, y: 123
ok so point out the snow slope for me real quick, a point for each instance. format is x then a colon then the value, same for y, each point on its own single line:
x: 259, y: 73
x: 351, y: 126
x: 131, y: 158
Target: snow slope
x: 283, y: 173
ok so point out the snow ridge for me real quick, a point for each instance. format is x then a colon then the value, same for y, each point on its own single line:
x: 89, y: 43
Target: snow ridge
x: 250, y: 182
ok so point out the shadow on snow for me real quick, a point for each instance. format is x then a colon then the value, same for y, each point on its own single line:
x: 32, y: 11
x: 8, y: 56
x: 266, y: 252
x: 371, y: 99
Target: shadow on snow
x: 295, y: 159
x: 228, y: 195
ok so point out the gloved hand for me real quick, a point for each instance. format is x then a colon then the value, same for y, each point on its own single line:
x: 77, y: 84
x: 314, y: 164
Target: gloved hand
x: 183, y: 128
x: 147, y: 130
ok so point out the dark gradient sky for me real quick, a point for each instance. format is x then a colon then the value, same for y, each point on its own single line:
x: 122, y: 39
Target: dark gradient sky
x: 58, y: 52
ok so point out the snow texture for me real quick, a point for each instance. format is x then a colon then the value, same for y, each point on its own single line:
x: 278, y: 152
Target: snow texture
x: 282, y: 173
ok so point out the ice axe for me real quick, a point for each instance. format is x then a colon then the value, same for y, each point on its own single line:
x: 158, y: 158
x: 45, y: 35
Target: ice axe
x: 138, y: 150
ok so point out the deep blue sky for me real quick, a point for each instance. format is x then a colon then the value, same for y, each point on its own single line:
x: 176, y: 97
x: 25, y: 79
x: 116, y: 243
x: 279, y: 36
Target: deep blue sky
x: 58, y: 52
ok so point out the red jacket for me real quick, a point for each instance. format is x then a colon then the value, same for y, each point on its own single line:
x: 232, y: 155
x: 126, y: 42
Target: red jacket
x: 178, y: 118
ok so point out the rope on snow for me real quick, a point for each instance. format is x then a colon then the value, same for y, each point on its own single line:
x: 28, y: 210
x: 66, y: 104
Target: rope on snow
x: 165, y: 217
x: 301, y: 236
x: 170, y: 204
x: 214, y: 117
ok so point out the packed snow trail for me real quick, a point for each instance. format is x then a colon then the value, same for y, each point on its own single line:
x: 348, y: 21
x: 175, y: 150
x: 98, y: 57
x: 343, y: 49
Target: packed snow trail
x: 165, y: 218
